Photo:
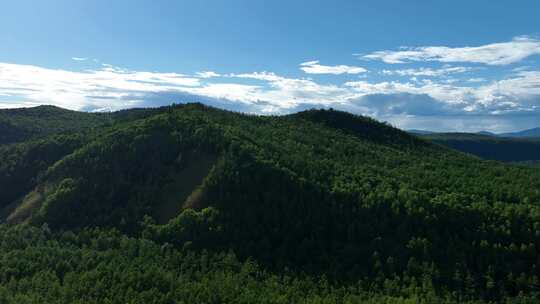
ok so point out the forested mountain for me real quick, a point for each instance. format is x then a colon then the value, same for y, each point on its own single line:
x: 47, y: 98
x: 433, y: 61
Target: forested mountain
x: 193, y: 204
x: 18, y: 125
x: 490, y: 147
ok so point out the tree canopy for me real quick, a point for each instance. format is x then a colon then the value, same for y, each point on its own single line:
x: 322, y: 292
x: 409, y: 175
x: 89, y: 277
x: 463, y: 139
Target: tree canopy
x: 322, y: 206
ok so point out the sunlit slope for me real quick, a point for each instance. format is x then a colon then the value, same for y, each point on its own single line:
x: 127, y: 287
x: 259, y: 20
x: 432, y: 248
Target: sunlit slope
x: 319, y: 191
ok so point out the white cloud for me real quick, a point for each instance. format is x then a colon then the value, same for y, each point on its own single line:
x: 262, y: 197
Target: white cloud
x: 313, y: 67
x: 476, y: 79
x: 115, y: 88
x: 266, y: 76
x: 512, y: 95
x: 451, y: 80
x: 112, y: 88
x: 79, y: 58
x: 208, y: 74
x: 492, y: 54
x: 79, y: 90
x: 230, y: 91
x: 290, y: 92
x: 521, y: 68
x: 428, y: 72
x: 523, y: 87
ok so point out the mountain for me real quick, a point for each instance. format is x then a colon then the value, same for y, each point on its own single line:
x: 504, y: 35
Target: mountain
x: 486, y: 133
x: 535, y: 132
x: 17, y: 125
x: 420, y: 132
x: 530, y: 133
x: 490, y: 147
x: 196, y: 204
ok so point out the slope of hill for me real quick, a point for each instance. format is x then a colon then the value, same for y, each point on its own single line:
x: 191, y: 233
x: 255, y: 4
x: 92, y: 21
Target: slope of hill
x: 420, y: 132
x: 490, y: 147
x: 535, y: 133
x: 360, y: 208
x: 529, y: 133
x: 17, y: 125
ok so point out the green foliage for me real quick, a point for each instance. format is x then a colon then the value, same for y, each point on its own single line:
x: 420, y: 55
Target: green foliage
x: 17, y: 125
x: 189, y: 228
x: 23, y: 164
x: 329, y: 207
x: 120, y: 175
x: 104, y: 266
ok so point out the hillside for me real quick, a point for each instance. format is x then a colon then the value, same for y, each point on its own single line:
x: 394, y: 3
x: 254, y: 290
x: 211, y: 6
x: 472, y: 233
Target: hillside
x: 319, y: 204
x: 490, y: 147
x: 17, y: 125
x: 530, y: 133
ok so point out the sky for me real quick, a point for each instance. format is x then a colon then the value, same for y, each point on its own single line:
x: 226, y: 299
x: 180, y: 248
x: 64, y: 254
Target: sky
x: 433, y: 65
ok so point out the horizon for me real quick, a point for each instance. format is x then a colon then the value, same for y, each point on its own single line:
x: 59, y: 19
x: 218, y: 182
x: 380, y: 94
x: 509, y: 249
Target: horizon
x: 445, y: 67
x: 308, y: 109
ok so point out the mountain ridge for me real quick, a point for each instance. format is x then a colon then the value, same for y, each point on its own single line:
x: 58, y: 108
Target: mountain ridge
x: 506, y: 149
x: 527, y: 133
x: 19, y: 125
x: 320, y: 193
x: 534, y: 132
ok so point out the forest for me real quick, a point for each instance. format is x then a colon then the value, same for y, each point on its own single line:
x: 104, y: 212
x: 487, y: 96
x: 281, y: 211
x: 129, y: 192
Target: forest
x: 192, y: 204
x: 522, y: 150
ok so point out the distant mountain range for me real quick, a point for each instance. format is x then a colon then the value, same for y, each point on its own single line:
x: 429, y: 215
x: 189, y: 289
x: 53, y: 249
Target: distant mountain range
x: 535, y: 132
x: 529, y: 133
x: 518, y: 147
x: 420, y: 132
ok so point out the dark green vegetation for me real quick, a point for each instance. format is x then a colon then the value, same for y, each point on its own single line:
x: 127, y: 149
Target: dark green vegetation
x: 17, y: 125
x: 490, y: 147
x: 320, y: 207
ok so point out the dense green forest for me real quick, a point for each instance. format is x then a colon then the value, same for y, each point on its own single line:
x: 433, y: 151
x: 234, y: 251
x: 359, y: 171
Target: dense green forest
x: 191, y: 204
x: 490, y: 147
x: 18, y: 125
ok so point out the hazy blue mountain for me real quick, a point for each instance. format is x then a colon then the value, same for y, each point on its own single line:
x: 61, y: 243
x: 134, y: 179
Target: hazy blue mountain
x: 420, y: 132
x: 535, y: 132
x: 490, y: 147
x: 486, y: 133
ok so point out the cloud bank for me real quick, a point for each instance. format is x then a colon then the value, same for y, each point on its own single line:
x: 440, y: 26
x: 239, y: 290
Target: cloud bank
x: 428, y: 72
x: 491, y: 54
x: 313, y: 67
x: 440, y: 97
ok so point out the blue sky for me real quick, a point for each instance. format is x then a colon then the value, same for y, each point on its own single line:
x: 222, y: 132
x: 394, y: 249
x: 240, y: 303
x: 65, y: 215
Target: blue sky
x: 439, y: 65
